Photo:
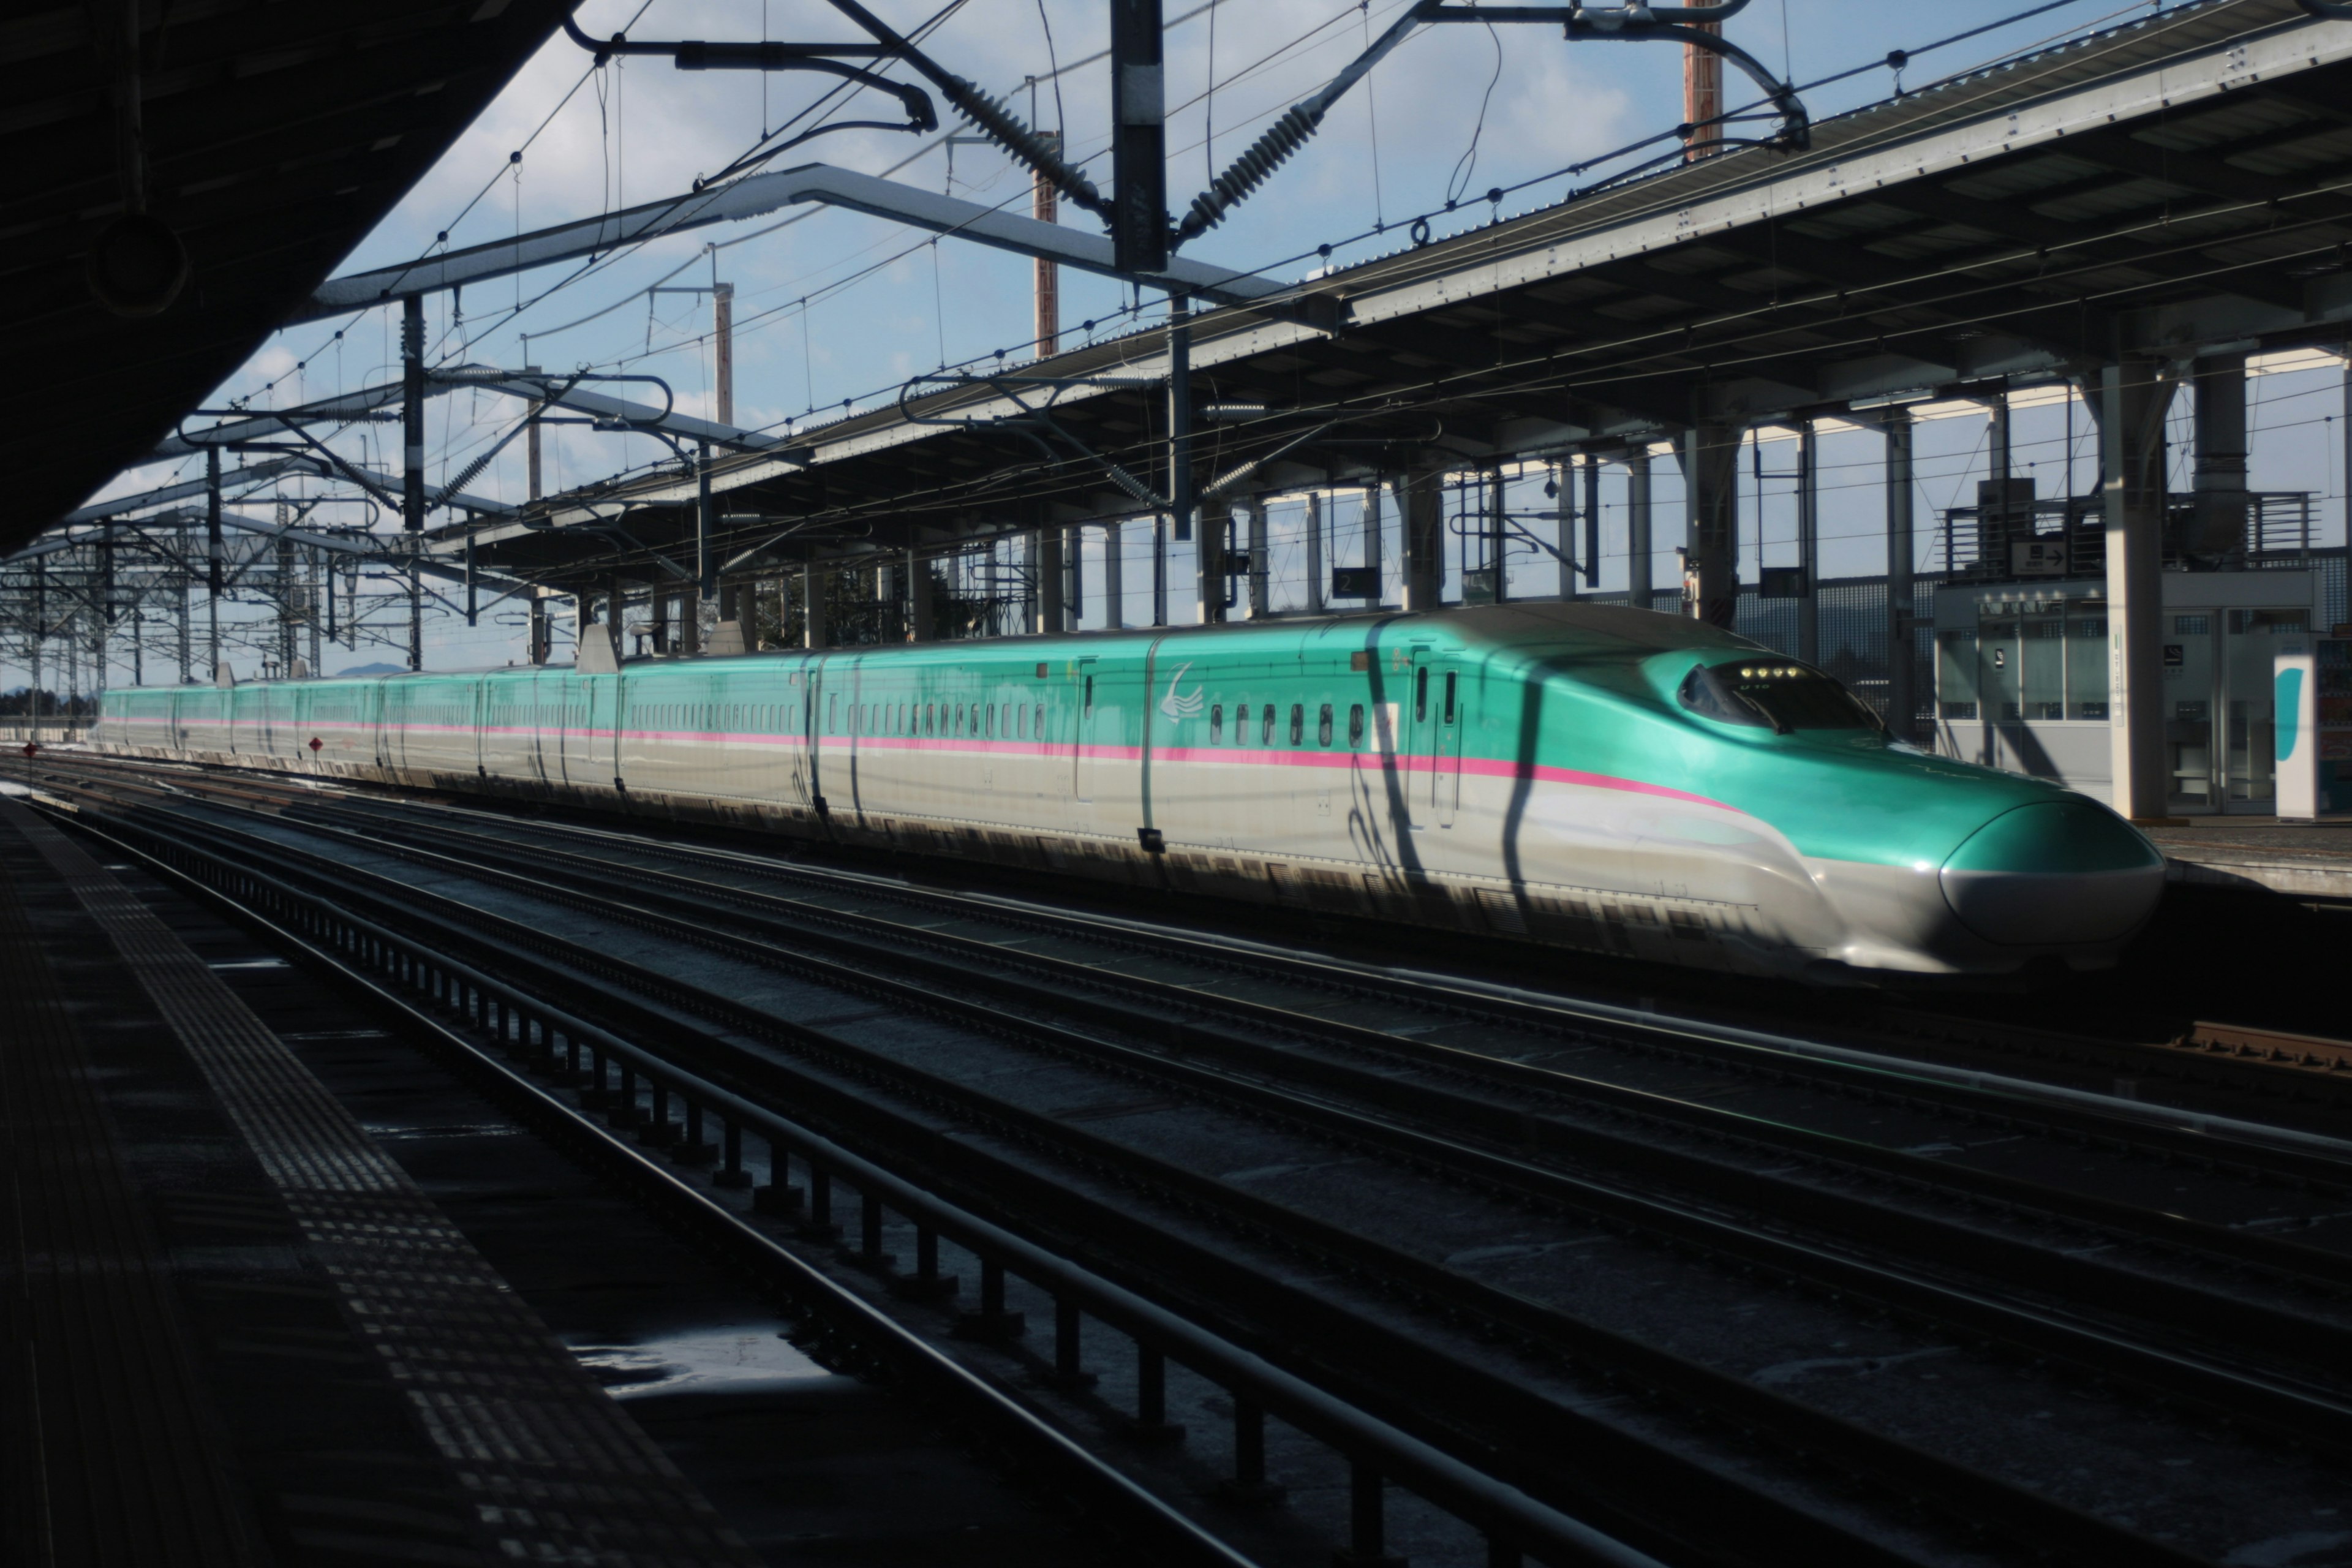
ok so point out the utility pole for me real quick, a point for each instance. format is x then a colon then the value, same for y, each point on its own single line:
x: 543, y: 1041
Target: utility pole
x: 1114, y: 576
x: 411, y: 474
x: 531, y: 443
x: 1702, y: 92
x: 1139, y: 140
x: 722, y: 335
x: 181, y: 602
x: 1207, y: 542
x: 1637, y: 525
x: 1809, y: 542
x: 285, y: 562
x: 212, y: 553
x: 1315, y: 582
x: 39, y: 639
x: 1044, y: 206
x: 1901, y: 641
x: 706, y: 559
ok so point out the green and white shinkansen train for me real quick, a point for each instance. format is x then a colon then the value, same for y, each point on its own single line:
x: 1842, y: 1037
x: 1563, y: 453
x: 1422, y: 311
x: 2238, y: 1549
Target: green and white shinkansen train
x: 1580, y: 775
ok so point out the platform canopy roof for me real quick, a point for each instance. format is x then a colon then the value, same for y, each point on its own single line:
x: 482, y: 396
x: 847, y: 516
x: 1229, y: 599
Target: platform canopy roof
x: 2180, y: 183
x: 276, y: 137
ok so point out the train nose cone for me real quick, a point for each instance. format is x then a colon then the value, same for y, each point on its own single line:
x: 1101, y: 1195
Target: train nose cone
x: 2053, y: 872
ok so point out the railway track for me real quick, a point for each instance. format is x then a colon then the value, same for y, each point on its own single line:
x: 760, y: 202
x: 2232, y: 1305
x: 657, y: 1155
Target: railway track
x: 2228, y: 1065
x: 1505, y: 1130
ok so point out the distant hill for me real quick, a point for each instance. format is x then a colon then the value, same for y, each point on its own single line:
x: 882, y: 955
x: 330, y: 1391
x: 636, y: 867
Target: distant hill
x: 374, y: 669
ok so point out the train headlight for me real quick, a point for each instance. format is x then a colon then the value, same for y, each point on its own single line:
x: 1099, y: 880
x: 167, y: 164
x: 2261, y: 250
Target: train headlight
x: 2056, y: 872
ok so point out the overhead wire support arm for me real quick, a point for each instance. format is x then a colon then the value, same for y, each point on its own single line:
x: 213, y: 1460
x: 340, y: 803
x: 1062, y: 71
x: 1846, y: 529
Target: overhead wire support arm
x: 697, y: 54
x: 1032, y: 416
x: 985, y: 112
x: 1630, y: 23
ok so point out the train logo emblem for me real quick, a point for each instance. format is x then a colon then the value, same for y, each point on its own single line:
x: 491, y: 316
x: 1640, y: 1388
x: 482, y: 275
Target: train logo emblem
x: 1185, y: 705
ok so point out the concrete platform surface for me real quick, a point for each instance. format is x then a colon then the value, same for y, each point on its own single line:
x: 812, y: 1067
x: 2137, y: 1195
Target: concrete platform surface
x: 2299, y: 859
x: 239, y: 1331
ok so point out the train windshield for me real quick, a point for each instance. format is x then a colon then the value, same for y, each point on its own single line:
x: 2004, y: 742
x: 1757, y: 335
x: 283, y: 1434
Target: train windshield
x: 1774, y: 695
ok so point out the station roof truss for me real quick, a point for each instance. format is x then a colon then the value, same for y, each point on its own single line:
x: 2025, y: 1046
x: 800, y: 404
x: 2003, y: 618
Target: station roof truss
x: 2180, y: 184
x: 275, y: 138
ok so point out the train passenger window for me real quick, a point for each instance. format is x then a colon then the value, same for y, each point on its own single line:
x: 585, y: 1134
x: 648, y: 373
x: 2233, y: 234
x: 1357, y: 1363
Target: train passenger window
x: 1090, y: 696
x: 1241, y: 724
x: 1450, y: 678
x: 1023, y: 723
x: 1266, y: 727
x: 1355, y: 725
x: 931, y: 715
x: 1420, y: 695
x: 990, y: 729
x: 1216, y: 724
x: 1297, y: 723
x: 1323, y: 726
x: 1041, y: 721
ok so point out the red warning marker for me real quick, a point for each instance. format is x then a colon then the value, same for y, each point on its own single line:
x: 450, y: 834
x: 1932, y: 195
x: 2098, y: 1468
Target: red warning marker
x: 30, y: 751
x: 315, y: 744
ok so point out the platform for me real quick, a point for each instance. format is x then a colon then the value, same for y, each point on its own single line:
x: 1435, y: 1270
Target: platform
x: 237, y: 1331
x: 2298, y: 859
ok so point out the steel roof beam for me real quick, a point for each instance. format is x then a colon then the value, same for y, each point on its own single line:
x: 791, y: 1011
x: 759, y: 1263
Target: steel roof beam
x: 352, y: 405
x: 642, y: 417
x: 235, y: 479
x: 753, y: 197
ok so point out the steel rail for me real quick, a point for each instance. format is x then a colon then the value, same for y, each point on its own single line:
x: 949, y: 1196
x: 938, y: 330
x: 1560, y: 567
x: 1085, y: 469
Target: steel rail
x: 1516, y: 1314
x: 1514, y: 1518
x: 2076, y: 1112
x: 2038, y: 1270
x: 883, y: 1341
x: 1627, y: 1464
x: 2172, y: 1132
x: 978, y: 963
x: 2284, y: 1259
x: 2196, y: 1314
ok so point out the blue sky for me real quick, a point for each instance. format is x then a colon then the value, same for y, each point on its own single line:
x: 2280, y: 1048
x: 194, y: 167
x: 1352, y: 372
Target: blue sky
x: 833, y: 305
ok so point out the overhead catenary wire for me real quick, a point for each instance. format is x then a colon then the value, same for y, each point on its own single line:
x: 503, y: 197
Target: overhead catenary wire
x: 801, y: 306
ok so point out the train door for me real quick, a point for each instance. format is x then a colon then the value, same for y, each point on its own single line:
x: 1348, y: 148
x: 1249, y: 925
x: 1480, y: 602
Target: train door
x: 389, y: 700
x: 1416, y: 741
x: 1082, y: 766
x: 1446, y: 704
x: 812, y: 698
x: 612, y: 692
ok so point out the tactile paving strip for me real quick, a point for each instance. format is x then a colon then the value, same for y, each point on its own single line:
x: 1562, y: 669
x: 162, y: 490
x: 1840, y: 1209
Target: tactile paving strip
x: 108, y: 1454
x: 558, y: 1472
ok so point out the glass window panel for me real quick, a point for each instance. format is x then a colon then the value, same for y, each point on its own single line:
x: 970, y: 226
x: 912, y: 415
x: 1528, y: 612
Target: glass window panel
x: 1956, y: 674
x: 2086, y: 667
x: 2041, y: 681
